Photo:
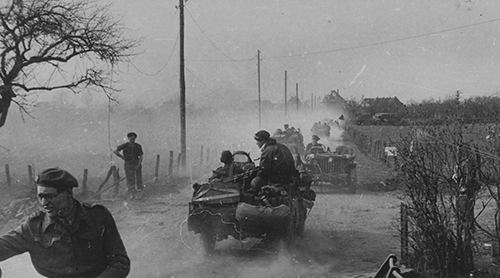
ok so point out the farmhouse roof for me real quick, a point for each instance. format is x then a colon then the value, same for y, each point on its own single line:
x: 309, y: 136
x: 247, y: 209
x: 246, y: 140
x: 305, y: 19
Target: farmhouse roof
x: 383, y: 104
x: 334, y: 97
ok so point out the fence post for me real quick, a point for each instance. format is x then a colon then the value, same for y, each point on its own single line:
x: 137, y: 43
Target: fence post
x: 171, y: 163
x: 116, y: 179
x: 157, y: 167
x: 30, y: 175
x: 178, y: 163
x: 7, y: 174
x: 201, y: 155
x: 84, y: 181
x: 404, y: 233
x: 208, y: 155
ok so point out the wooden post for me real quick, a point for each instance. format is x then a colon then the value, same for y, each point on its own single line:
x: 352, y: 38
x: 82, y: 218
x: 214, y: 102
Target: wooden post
x: 157, y: 167
x: 201, y: 155
x: 208, y: 155
x: 30, y: 175
x: 171, y: 163
x: 182, y: 85
x: 297, y: 95
x: 178, y: 163
x: 84, y: 181
x: 258, y: 81
x: 286, y: 82
x: 404, y: 233
x: 7, y: 175
x: 116, y: 179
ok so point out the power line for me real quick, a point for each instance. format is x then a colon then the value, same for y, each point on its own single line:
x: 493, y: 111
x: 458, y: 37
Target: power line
x: 164, y: 65
x: 386, y: 41
x: 207, y: 37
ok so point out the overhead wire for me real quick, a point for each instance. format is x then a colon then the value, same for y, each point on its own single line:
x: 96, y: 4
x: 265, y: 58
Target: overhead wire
x: 360, y: 46
x: 164, y: 65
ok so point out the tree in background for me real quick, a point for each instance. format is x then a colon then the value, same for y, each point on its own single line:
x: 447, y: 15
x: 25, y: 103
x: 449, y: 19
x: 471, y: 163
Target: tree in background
x: 48, y: 45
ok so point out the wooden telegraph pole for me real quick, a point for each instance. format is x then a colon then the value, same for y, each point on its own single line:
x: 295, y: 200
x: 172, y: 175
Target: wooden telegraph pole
x: 297, y: 95
x: 258, y: 81
x: 182, y: 85
x: 286, y: 81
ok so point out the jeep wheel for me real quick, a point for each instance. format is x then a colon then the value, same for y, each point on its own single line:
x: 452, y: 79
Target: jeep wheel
x: 301, y: 221
x: 208, y: 240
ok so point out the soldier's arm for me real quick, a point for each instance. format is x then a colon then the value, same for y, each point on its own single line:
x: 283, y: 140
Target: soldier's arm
x: 117, y: 151
x: 15, y: 242
x: 141, y: 155
x: 116, y: 255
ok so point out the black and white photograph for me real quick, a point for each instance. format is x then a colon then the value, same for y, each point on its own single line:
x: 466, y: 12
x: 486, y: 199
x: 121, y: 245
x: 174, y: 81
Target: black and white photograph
x: 249, y: 138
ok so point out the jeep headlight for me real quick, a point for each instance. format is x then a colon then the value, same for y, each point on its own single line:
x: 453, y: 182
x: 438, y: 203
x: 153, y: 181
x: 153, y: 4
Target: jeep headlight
x: 330, y: 160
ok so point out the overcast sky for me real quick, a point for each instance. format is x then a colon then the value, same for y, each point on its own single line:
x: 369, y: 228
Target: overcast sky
x: 411, y: 49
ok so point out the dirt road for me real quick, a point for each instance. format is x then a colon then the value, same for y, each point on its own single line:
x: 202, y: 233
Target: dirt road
x: 347, y: 235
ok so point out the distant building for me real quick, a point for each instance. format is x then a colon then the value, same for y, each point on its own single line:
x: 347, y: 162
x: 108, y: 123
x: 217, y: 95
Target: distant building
x: 377, y: 105
x: 335, y: 100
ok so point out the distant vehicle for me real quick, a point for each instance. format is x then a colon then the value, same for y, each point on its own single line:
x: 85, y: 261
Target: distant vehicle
x: 293, y: 139
x: 332, y: 170
x: 227, y: 207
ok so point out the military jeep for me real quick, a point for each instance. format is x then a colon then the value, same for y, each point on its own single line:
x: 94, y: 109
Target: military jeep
x: 331, y: 170
x: 228, y: 207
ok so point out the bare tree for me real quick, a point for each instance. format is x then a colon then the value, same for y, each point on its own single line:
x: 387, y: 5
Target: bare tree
x: 44, y: 38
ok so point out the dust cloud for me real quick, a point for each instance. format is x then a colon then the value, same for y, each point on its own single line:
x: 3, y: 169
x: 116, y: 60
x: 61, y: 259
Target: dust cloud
x: 155, y: 232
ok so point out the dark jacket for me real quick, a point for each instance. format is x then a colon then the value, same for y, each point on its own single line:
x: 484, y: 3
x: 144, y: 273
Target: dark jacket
x: 276, y: 163
x: 91, y: 247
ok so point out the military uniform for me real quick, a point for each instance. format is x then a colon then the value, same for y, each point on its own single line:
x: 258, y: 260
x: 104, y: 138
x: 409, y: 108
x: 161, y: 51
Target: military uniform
x: 90, y: 247
x: 133, y: 168
x: 315, y: 145
x: 276, y: 163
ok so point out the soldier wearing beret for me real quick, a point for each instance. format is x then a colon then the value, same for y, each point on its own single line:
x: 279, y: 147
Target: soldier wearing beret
x: 132, y: 155
x: 67, y: 238
x: 276, y: 161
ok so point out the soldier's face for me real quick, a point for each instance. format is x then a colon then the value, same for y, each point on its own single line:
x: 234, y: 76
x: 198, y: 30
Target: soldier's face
x: 54, y: 203
x: 260, y: 143
x: 131, y: 139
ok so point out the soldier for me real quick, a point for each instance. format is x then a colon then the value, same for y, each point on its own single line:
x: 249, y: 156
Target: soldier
x: 68, y: 238
x: 132, y: 155
x: 315, y: 146
x: 228, y: 169
x: 276, y: 162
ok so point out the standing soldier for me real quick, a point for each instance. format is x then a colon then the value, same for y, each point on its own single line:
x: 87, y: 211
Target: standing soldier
x: 68, y: 238
x: 132, y: 155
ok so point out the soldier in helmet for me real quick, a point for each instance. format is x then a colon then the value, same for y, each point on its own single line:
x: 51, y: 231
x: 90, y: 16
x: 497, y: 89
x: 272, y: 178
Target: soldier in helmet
x: 315, y: 146
x: 276, y: 161
x: 228, y: 169
x: 67, y: 238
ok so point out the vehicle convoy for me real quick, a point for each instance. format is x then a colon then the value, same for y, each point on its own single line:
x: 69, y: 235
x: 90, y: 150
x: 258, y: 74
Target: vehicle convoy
x: 292, y: 138
x: 229, y: 207
x: 331, y: 170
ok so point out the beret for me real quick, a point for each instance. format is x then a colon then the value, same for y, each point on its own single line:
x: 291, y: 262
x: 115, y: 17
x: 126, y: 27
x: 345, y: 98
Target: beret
x: 262, y: 135
x: 130, y: 134
x: 315, y: 137
x: 56, y: 178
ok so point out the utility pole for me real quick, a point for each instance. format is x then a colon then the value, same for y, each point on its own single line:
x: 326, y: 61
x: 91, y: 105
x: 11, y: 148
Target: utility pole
x: 297, y: 95
x: 182, y: 85
x: 258, y: 80
x: 312, y: 102
x: 286, y: 81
